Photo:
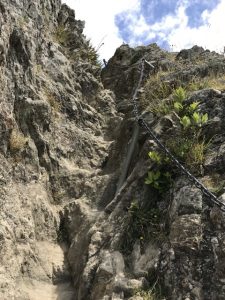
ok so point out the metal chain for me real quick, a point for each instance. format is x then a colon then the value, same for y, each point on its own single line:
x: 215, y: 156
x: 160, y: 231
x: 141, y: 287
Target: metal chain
x: 142, y: 123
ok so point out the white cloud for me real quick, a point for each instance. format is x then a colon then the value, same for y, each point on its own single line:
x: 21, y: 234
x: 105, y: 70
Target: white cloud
x: 175, y: 31
x: 141, y: 26
x: 100, y: 26
x: 210, y: 35
x: 99, y: 21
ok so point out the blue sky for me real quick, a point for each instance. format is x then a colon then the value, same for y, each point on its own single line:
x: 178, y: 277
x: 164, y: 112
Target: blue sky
x: 172, y: 24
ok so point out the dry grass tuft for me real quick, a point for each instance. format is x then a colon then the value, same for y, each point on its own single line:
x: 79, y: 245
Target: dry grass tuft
x: 213, y: 82
x: 156, y: 89
x: 17, y: 141
x: 61, y: 35
x: 215, y: 183
x: 54, y: 103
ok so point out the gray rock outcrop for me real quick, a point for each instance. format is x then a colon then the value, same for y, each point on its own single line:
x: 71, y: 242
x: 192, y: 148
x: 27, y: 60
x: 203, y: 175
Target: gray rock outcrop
x: 77, y: 220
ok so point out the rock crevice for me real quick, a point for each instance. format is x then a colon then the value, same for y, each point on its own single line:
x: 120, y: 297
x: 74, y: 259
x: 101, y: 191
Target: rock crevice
x: 77, y: 220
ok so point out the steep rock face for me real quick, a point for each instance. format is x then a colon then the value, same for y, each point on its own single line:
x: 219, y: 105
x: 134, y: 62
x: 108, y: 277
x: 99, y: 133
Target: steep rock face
x: 77, y: 220
x: 52, y: 143
x: 145, y: 239
x: 185, y: 260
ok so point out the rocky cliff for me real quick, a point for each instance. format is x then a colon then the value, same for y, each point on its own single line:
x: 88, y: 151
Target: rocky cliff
x: 90, y: 207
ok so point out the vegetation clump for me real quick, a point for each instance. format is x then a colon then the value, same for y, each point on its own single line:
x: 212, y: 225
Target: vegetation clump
x: 142, y: 223
x: 23, y: 21
x: 211, y: 81
x: 155, y: 292
x: 160, y: 178
x: 189, y: 116
x: 189, y: 146
x: 17, y: 141
x: 62, y: 35
x: 215, y: 183
x: 147, y: 295
x: 156, y: 89
x: 160, y: 92
x: 53, y: 101
x: 86, y: 53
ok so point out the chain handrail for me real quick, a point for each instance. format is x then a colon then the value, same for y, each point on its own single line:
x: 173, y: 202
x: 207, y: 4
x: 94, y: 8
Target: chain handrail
x: 142, y: 123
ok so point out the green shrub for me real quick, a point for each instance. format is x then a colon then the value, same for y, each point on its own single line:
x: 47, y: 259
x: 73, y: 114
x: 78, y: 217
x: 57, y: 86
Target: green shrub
x: 189, y: 145
x: 155, y: 156
x: 179, y: 95
x: 188, y: 114
x: 159, y: 180
x: 193, y: 106
x: 185, y: 122
x: 199, y: 119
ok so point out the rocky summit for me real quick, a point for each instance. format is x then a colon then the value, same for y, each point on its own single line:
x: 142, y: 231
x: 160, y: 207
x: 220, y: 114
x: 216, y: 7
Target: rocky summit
x: 91, y: 206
